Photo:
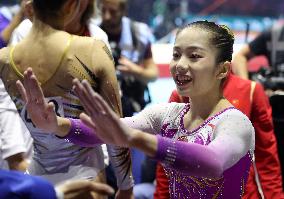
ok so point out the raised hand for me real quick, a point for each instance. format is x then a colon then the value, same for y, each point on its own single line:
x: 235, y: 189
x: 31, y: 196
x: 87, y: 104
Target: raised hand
x: 41, y: 113
x: 100, y: 116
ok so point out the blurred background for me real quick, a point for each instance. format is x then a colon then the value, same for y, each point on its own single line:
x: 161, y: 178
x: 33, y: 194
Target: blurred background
x: 246, y: 19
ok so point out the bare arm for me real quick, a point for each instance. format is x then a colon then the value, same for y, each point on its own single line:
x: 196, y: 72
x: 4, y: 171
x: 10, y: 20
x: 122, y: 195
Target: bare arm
x: 146, y: 73
x: 16, y: 20
x: 240, y: 61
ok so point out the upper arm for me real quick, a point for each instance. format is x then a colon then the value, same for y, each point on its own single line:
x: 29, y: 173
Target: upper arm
x: 108, y: 85
x: 245, y: 51
x: 234, y: 137
x: 149, y: 120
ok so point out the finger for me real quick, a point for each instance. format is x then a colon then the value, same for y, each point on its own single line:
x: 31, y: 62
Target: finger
x: 22, y: 91
x: 36, y: 90
x: 50, y: 108
x: 80, y: 185
x: 26, y: 84
x: 94, y: 96
x: 101, y: 188
x: 87, y: 121
x: 84, y: 97
x: 99, y: 102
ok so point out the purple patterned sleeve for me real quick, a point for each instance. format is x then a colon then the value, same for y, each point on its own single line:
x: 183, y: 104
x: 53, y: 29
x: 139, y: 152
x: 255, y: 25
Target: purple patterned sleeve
x: 190, y: 158
x: 81, y: 135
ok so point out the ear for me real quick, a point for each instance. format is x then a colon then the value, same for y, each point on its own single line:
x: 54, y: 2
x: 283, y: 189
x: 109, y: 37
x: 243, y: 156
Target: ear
x: 224, y: 69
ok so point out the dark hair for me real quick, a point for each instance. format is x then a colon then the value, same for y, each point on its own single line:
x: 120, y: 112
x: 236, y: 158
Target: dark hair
x: 89, y: 12
x: 123, y: 4
x: 45, y: 9
x: 221, y: 37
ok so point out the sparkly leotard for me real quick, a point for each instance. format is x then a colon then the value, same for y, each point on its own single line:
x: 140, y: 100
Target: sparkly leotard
x: 183, y: 179
x: 57, y: 159
x: 211, y: 161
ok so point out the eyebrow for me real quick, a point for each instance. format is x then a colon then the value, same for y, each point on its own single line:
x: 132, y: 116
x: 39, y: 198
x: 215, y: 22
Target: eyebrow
x: 192, y: 48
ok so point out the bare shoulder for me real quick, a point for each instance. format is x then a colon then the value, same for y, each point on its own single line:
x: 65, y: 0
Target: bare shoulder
x: 94, y: 52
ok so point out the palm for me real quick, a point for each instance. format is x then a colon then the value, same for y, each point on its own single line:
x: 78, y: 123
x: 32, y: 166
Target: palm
x: 105, y: 122
x: 41, y: 113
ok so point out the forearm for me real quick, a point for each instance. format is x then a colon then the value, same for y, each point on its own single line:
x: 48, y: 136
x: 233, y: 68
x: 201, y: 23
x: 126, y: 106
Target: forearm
x: 148, y: 74
x: 121, y: 162
x: 7, y: 32
x: 190, y: 158
x: 193, y: 159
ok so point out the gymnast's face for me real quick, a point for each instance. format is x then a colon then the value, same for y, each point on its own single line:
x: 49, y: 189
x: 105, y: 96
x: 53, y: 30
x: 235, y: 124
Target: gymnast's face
x: 193, y: 65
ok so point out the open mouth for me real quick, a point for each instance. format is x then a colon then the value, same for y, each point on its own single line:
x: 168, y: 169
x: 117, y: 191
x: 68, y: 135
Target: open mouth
x: 182, y: 80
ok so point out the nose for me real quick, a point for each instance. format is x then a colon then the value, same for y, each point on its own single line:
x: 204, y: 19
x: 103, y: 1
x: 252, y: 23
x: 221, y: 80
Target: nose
x: 182, y: 66
x: 106, y: 15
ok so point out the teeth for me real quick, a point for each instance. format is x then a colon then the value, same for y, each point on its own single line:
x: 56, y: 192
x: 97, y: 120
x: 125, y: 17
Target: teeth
x: 183, y: 78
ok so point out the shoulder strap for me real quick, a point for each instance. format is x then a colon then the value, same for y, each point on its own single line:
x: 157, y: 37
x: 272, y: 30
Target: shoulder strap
x: 12, y: 63
x: 18, y: 72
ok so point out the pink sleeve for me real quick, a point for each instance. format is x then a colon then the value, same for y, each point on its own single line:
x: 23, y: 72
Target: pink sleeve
x: 234, y: 139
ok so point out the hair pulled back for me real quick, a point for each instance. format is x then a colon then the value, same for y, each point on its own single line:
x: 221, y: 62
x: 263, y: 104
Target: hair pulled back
x: 221, y: 37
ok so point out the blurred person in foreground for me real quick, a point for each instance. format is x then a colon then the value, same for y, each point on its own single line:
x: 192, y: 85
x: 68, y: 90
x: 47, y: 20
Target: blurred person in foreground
x: 265, y: 179
x: 72, y: 56
x: 15, y: 185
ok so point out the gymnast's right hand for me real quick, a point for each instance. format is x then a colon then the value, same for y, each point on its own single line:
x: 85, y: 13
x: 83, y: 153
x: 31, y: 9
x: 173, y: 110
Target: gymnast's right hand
x: 41, y: 113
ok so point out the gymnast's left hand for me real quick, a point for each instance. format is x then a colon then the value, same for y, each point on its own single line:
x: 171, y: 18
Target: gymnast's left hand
x: 41, y: 113
x: 101, y: 117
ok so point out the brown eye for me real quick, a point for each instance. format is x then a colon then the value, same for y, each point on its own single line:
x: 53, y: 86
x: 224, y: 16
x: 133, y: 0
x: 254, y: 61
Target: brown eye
x: 176, y: 55
x: 195, y: 56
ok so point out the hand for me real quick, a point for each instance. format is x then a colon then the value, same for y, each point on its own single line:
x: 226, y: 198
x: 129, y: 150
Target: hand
x: 41, y: 113
x: 101, y: 118
x: 128, y: 67
x: 124, y: 194
x: 83, y: 189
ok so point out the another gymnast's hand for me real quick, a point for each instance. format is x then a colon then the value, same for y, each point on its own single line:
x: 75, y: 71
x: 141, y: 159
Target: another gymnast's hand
x: 41, y: 113
x: 100, y: 117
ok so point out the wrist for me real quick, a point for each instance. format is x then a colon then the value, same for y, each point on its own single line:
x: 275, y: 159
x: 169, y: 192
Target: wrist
x: 63, y: 127
x: 145, y: 142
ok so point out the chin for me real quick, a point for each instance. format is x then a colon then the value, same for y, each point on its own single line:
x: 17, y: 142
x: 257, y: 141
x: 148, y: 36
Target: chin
x: 183, y: 92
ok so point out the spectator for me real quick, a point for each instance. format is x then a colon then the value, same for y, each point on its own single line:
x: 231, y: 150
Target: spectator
x: 131, y: 45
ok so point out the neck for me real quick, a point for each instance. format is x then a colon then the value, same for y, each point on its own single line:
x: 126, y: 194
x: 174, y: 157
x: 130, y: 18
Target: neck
x: 205, y: 105
x: 75, y: 28
x: 40, y: 27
